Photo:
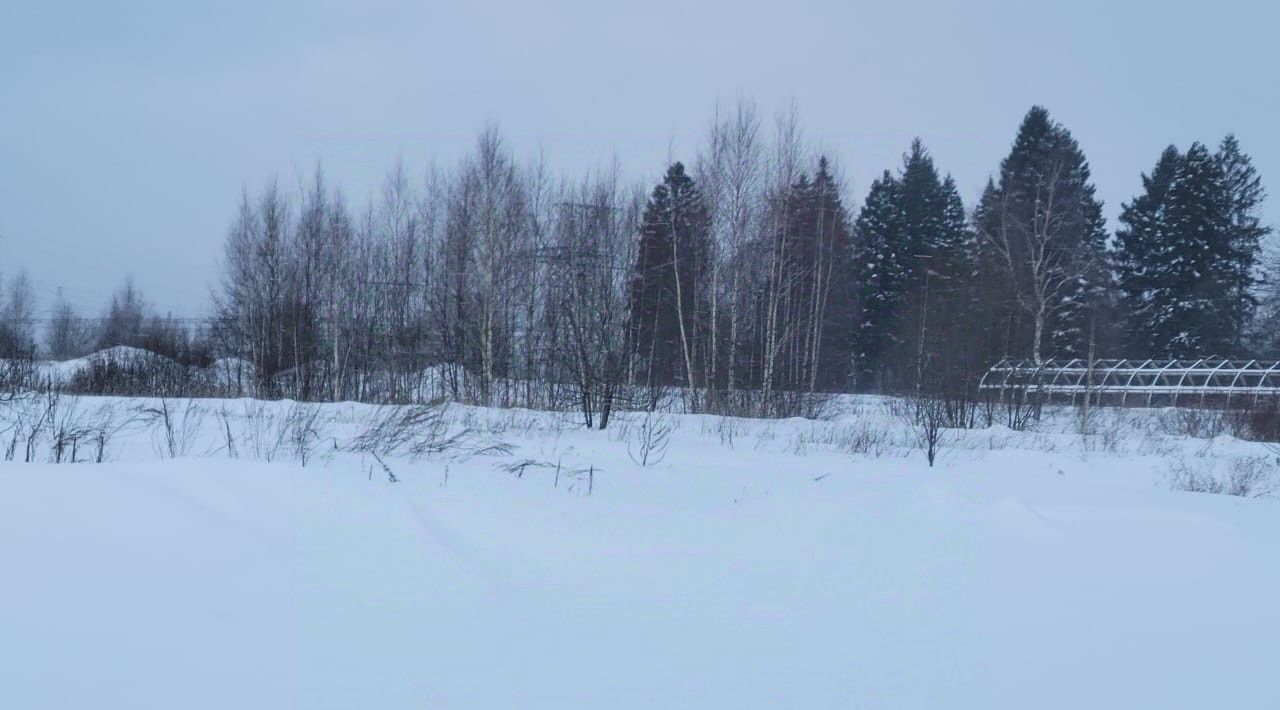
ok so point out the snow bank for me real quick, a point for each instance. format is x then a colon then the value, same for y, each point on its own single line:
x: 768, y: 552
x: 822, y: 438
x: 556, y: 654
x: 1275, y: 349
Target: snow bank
x: 61, y: 372
x: 742, y: 573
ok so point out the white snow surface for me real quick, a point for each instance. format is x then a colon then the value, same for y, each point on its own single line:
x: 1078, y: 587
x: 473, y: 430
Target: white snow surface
x: 770, y: 571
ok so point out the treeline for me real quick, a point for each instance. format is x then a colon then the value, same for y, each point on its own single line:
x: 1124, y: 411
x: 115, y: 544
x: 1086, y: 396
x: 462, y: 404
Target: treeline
x: 128, y: 320
x: 744, y: 280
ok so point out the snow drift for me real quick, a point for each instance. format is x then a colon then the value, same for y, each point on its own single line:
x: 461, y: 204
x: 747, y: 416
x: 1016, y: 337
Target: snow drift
x: 757, y: 565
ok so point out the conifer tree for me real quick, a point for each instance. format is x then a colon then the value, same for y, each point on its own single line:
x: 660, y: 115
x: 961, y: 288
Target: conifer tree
x: 995, y: 317
x: 805, y: 299
x: 1245, y: 195
x: 950, y: 249
x: 913, y: 233
x: 1139, y: 255
x: 1186, y: 253
x: 668, y: 295
x: 822, y: 316
x: 1044, y: 226
x: 882, y: 276
x: 1192, y: 312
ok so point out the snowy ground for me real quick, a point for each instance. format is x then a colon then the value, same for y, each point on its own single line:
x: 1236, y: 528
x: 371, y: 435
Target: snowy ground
x: 789, y: 564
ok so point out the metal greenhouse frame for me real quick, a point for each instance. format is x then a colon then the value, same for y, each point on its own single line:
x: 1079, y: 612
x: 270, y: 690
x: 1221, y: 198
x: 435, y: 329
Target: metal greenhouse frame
x: 1211, y: 381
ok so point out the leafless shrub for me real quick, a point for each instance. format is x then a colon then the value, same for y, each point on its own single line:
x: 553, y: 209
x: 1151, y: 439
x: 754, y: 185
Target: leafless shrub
x: 764, y: 437
x: 1245, y: 476
x: 105, y: 426
x: 140, y: 373
x: 518, y: 468
x: 623, y: 424
x: 1016, y: 409
x: 926, y: 417
x: 67, y: 428
x: 1194, y: 422
x: 728, y: 429
x: 229, y: 438
x: 865, y: 437
x: 503, y: 423
x: 34, y: 420
x: 786, y: 405
x: 31, y: 418
x: 960, y: 404
x: 1156, y: 446
x: 1252, y: 476
x: 12, y: 444
x: 293, y: 432
x: 747, y: 403
x: 174, y: 428
x: 1101, y: 433
x: 1258, y: 421
x: 302, y: 433
x: 38, y: 417
x: 647, y: 445
x: 1048, y: 442
x: 17, y: 375
x: 415, y: 431
x: 578, y: 478
x: 261, y: 434
x: 13, y: 424
x: 999, y: 439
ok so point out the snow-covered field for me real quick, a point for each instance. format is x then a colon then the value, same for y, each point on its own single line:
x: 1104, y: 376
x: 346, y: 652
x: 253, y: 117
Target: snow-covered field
x: 751, y: 564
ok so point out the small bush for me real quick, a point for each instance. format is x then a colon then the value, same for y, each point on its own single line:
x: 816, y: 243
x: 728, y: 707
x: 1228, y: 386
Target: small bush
x: 174, y: 428
x: 140, y: 374
x: 865, y: 437
x: 416, y: 431
x: 1245, y: 476
x: 647, y: 442
x: 926, y: 418
x: 1196, y: 423
x: 1260, y: 421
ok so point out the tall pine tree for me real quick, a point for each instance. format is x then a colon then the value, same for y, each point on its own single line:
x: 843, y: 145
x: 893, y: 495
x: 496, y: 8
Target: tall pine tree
x: 668, y: 304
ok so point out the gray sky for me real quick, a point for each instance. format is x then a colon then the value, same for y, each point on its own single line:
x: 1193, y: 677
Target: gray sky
x: 128, y: 129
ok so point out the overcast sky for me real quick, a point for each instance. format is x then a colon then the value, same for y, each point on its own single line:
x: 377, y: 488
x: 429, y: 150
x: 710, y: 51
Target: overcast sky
x: 128, y: 129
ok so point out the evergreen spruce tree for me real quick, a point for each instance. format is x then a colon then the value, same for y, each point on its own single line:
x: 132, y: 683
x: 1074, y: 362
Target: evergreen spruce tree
x: 833, y: 296
x: 922, y: 205
x: 882, y: 277
x: 1187, y: 251
x: 912, y: 237
x: 946, y: 351
x: 1140, y: 256
x: 1192, y: 311
x: 812, y: 246
x: 669, y: 289
x: 951, y: 247
x: 1044, y: 224
x: 1245, y: 195
x: 995, y: 318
